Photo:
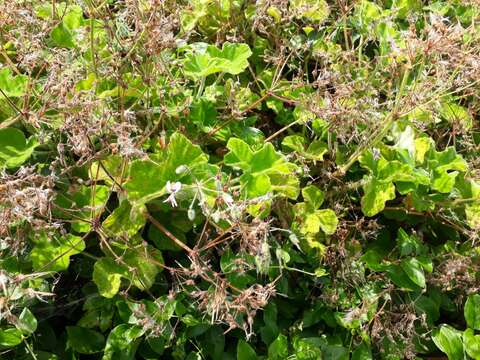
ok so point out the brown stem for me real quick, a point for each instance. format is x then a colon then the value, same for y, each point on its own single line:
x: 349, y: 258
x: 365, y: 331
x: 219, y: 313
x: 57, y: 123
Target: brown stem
x: 168, y: 233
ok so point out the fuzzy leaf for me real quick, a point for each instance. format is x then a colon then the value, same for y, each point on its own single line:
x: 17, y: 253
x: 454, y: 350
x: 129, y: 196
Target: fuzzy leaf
x: 85, y: 341
x: 10, y: 337
x: 147, y: 179
x: 240, y: 154
x: 278, y: 349
x: 27, y: 322
x: 15, y: 149
x: 122, y: 342
x: 471, y: 342
x: 449, y: 341
x: 140, y: 267
x: 12, y: 86
x: 245, y: 351
x: 472, y: 311
x: 313, y: 10
x: 441, y: 164
x: 107, y: 277
x: 414, y: 270
x: 124, y: 221
x: 234, y: 57
x: 61, y: 36
x: 313, y: 196
x: 328, y: 220
x: 377, y: 193
x: 54, y: 254
x: 231, y: 59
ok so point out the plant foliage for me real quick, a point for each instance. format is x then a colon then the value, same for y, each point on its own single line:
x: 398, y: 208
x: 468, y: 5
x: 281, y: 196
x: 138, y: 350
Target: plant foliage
x: 239, y: 179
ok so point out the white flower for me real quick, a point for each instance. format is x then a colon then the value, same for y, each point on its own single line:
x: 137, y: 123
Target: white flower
x: 172, y: 189
x: 227, y: 198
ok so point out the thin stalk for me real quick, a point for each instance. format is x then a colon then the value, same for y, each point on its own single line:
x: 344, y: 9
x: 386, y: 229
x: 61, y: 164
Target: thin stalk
x: 201, y: 87
x: 382, y: 130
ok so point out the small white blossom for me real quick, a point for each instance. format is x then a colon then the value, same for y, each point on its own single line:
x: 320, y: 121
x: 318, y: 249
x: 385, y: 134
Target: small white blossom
x: 173, y: 189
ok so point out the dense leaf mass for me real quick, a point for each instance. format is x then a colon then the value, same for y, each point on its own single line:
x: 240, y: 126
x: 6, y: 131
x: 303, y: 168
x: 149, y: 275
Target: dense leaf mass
x: 239, y: 179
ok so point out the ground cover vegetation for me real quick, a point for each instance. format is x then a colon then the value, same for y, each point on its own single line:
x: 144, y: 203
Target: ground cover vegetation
x: 237, y: 179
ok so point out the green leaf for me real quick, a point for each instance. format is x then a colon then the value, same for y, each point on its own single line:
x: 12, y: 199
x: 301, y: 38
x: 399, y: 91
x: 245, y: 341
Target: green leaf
x: 400, y: 277
x: 441, y: 165
x: 405, y: 7
x: 27, y: 322
x: 107, y: 277
x: 294, y: 142
x: 231, y: 59
x: 122, y: 342
x: 140, y: 267
x: 308, y: 348
x: 449, y: 341
x: 259, y: 164
x: 15, y: 149
x: 201, y: 65
x: 265, y: 159
x: 313, y: 10
x: 12, y: 86
x: 443, y: 182
x: 85, y: 341
x: 313, y: 196
x: 73, y: 18
x: 62, y: 37
x: 270, y: 331
x: 428, y: 306
x: 472, y: 212
x: 394, y: 171
x: 278, y: 349
x: 426, y: 263
x: 43, y: 355
x: 256, y: 185
x: 407, y: 244
x: 123, y: 221
x: 275, y: 13
x: 316, y: 150
x: 365, y: 13
x: 233, y: 266
x: 146, y: 263
x: 368, y: 161
x: 422, y: 146
x: 234, y: 57
x: 376, y: 194
x: 240, y: 154
x: 10, y: 337
x: 414, y: 270
x: 147, y: 178
x: 471, y: 342
x: 83, y: 203
x: 286, y: 184
x: 109, y: 169
x: 472, y: 311
x: 245, y: 351
x: 310, y: 224
x: 335, y: 352
x: 328, y: 220
x: 362, y: 352
x: 54, y: 254
x: 203, y: 113
x: 455, y: 113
